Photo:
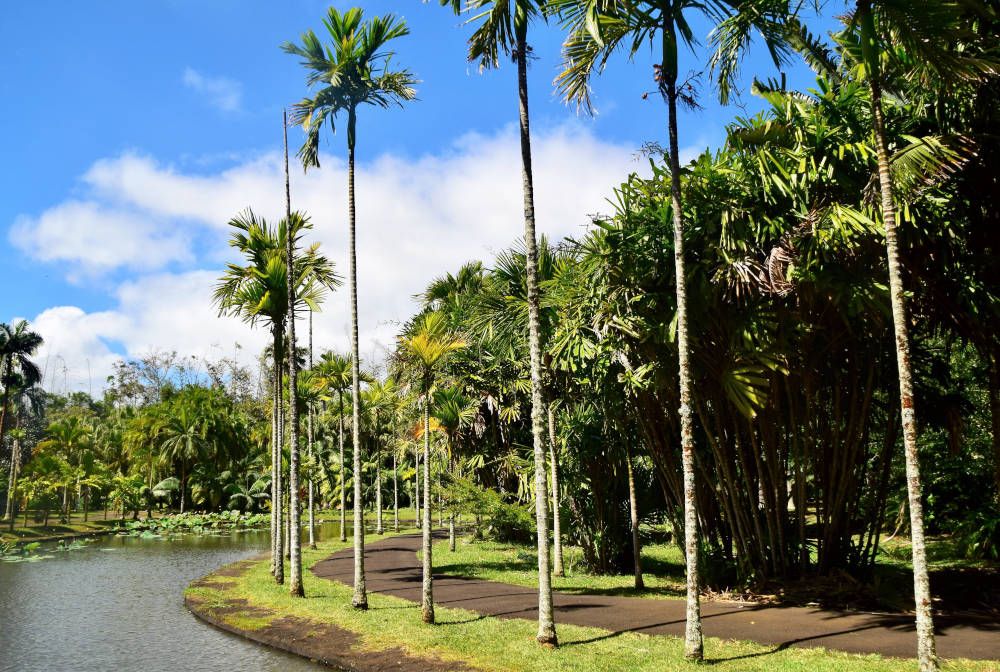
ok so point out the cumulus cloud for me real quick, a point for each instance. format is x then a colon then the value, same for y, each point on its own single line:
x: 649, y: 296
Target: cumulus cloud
x: 417, y: 218
x: 92, y: 239
x: 221, y: 93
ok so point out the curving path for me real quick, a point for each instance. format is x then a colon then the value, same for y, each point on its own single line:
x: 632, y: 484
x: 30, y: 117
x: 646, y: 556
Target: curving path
x: 392, y: 567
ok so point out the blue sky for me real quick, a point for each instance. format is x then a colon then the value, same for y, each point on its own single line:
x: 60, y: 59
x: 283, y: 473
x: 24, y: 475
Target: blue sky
x: 133, y: 130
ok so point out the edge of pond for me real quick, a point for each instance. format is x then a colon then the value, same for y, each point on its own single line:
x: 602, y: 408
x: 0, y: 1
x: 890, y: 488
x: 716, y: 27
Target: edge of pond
x: 321, y: 643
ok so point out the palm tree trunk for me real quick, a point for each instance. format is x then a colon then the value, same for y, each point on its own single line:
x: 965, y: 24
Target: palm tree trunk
x: 294, y: 532
x: 427, y: 594
x: 546, y: 620
x: 451, y: 511
x: 183, y: 486
x: 557, y: 554
x: 15, y: 463
x: 926, y: 648
x: 360, y: 598
x: 378, y: 498
x: 343, y: 477
x: 395, y: 495
x: 279, y: 526
x: 994, y: 364
x: 311, y: 438
x: 274, y: 468
x: 416, y: 488
x: 633, y: 502
x: 694, y: 646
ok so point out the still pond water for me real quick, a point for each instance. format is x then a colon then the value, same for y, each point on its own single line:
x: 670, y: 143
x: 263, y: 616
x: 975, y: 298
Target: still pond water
x: 118, y: 605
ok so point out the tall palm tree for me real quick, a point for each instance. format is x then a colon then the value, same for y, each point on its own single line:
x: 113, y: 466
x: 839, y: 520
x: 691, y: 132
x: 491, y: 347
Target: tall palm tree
x: 335, y: 374
x: 353, y: 71
x: 927, y: 32
x: 503, y: 29
x: 17, y: 344
x: 294, y: 531
x: 25, y: 399
x: 598, y: 28
x: 428, y: 345
x: 257, y: 292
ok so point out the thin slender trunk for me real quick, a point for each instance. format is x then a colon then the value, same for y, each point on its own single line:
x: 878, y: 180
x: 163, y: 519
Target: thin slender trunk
x: 279, y: 521
x: 311, y: 439
x: 294, y: 531
x: 416, y: 487
x: 343, y: 476
x: 546, y: 621
x: 378, y: 497
x: 926, y: 648
x: 451, y: 511
x: 183, y: 486
x: 274, y: 459
x: 360, y: 598
x: 633, y: 502
x: 440, y: 502
x: 557, y: 554
x: 994, y: 364
x: 395, y: 495
x: 427, y: 594
x: 694, y: 646
x: 15, y: 463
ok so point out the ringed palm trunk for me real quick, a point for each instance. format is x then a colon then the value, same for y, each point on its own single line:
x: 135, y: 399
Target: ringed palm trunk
x: 395, y: 495
x: 378, y: 497
x: 546, y: 621
x: 693, y: 638
x: 15, y: 462
x: 278, y: 557
x: 633, y: 501
x: 294, y: 527
x: 451, y: 511
x: 311, y: 439
x: 557, y: 555
x: 343, y: 479
x: 360, y: 598
x: 427, y: 593
x: 926, y: 647
x: 416, y: 488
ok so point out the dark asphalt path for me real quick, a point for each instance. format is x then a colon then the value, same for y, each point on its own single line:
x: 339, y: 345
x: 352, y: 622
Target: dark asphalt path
x: 393, y: 568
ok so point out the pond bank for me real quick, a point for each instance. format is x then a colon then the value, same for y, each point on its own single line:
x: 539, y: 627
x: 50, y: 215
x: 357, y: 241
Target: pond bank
x: 490, y: 626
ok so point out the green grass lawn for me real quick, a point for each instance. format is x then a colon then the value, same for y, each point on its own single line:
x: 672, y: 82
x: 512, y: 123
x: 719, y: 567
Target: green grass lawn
x: 56, y: 529
x: 663, y: 568
x: 507, y: 645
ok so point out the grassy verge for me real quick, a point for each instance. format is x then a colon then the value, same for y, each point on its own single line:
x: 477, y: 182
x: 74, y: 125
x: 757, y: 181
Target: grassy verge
x: 497, y: 644
x: 663, y: 568
x: 74, y: 527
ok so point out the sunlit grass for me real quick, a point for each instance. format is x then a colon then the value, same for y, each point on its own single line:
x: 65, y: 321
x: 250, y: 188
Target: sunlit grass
x: 508, y: 644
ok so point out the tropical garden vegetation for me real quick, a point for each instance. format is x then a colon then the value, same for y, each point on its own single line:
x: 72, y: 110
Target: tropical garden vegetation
x: 774, y: 356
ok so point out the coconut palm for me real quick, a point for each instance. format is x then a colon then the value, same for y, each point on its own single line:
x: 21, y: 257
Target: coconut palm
x: 503, y: 29
x: 17, y: 344
x: 428, y: 345
x: 597, y: 29
x: 353, y: 71
x: 257, y: 292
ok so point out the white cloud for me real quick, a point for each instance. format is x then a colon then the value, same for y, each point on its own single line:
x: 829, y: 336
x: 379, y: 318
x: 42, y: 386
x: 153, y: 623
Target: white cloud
x: 222, y: 93
x: 417, y: 218
x: 93, y: 239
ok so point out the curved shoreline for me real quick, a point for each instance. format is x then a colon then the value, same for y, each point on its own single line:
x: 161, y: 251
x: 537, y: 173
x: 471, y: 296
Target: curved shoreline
x: 321, y: 643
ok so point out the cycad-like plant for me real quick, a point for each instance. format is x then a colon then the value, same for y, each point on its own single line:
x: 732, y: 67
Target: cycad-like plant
x: 354, y: 70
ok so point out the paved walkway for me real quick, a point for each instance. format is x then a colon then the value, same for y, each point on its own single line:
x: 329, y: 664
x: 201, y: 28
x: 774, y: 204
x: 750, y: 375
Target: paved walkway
x: 392, y: 568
